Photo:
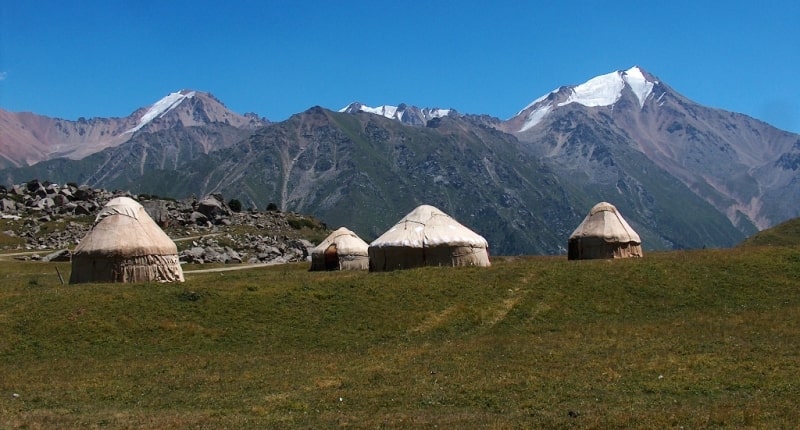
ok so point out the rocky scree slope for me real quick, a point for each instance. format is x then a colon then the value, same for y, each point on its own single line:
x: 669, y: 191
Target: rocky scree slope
x: 52, y: 218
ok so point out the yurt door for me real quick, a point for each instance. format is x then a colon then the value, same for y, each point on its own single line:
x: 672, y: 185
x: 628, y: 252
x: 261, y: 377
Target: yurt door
x: 331, y: 258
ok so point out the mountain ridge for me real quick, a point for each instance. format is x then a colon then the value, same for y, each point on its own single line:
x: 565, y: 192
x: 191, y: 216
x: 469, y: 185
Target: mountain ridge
x: 404, y: 113
x: 28, y: 138
x: 681, y: 173
x: 750, y: 160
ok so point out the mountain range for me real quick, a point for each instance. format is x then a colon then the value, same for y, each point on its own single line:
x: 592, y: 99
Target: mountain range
x: 27, y: 138
x: 684, y: 175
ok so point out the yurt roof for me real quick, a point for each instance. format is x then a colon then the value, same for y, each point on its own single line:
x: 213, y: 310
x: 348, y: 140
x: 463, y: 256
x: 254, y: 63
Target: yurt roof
x: 347, y: 243
x: 427, y: 226
x: 123, y: 228
x: 604, y: 221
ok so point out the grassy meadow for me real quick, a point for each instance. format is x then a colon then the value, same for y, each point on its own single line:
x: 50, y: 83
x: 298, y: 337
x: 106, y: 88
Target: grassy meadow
x: 685, y: 339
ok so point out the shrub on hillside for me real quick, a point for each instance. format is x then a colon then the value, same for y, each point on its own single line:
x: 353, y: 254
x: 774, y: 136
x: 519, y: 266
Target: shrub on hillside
x: 235, y: 205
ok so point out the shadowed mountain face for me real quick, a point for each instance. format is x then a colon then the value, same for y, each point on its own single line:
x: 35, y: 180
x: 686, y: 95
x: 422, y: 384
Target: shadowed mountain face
x: 683, y: 175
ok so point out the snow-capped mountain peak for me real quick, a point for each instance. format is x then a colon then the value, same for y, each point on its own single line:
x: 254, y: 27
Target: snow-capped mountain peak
x: 403, y: 113
x: 385, y: 110
x: 639, y: 84
x: 603, y: 90
x: 161, y: 107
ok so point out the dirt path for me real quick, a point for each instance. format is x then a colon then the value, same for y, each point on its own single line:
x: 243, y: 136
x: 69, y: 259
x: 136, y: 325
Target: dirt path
x: 11, y: 255
x: 184, y: 239
x: 6, y: 256
x: 230, y: 268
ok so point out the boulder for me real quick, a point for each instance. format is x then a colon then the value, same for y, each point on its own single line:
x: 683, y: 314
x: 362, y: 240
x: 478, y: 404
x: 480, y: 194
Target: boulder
x: 198, y: 218
x: 213, y: 207
x: 35, y: 188
x: 158, y: 211
x: 8, y: 205
x: 60, y: 200
x: 233, y: 256
x: 83, y: 208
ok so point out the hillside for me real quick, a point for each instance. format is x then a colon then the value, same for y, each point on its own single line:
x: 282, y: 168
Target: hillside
x: 702, y: 339
x: 784, y: 234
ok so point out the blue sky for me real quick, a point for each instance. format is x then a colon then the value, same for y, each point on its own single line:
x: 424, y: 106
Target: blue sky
x: 107, y: 58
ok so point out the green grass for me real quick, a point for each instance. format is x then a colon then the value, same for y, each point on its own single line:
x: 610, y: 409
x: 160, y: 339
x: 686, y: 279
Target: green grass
x: 702, y: 339
x: 10, y: 241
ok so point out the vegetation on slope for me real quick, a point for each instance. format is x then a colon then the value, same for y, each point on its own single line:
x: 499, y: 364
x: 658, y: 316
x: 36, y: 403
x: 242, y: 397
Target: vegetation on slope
x: 784, y: 234
x: 682, y: 339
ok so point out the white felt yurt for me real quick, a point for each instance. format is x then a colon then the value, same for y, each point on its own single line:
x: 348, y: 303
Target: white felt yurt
x: 427, y: 237
x: 125, y: 245
x: 604, y: 233
x: 341, y: 250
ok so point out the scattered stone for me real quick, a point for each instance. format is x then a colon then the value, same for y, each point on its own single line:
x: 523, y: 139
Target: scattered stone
x: 37, y: 202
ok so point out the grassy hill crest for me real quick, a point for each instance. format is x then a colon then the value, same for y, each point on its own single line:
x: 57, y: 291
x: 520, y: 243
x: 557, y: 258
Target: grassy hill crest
x: 784, y: 234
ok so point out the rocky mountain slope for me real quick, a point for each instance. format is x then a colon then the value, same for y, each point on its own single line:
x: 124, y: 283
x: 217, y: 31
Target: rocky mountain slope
x: 365, y: 172
x: 743, y: 167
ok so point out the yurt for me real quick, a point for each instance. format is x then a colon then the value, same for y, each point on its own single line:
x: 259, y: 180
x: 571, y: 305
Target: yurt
x: 125, y: 245
x: 427, y: 237
x: 341, y: 250
x: 604, y: 233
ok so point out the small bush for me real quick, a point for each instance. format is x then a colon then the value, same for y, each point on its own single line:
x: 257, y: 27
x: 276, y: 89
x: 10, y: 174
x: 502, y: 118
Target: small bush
x: 235, y: 205
x: 299, y: 223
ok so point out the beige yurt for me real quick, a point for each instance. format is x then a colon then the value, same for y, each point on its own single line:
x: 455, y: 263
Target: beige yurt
x: 427, y: 237
x: 125, y: 245
x: 604, y: 233
x: 341, y: 250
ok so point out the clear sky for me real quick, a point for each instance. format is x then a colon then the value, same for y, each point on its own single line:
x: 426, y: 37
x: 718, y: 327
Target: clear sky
x: 106, y: 58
